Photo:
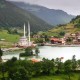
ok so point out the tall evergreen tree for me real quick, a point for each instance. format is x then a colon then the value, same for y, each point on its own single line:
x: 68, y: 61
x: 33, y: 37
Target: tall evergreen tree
x: 1, y: 53
x: 37, y: 51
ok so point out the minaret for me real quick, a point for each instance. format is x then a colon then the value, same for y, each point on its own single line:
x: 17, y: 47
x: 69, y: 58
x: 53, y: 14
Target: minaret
x: 29, y: 33
x: 24, y: 30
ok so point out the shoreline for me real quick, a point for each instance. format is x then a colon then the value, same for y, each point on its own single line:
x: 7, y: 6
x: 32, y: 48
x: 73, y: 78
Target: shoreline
x: 11, y: 49
x: 53, y: 45
x: 68, y: 45
x: 57, y: 45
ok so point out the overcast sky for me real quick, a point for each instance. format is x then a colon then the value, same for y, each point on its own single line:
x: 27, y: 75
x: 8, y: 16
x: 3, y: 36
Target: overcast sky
x: 70, y: 6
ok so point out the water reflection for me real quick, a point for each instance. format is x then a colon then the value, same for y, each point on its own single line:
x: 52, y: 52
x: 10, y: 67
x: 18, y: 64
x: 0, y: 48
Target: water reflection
x: 49, y: 52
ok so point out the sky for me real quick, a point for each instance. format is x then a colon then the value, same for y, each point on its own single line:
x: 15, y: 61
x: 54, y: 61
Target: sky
x: 69, y: 6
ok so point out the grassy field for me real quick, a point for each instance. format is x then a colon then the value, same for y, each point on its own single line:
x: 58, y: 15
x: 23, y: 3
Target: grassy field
x: 58, y: 77
x: 8, y: 37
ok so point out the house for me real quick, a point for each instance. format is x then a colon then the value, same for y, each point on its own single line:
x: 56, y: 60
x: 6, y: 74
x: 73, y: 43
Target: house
x: 55, y: 40
x: 75, y: 37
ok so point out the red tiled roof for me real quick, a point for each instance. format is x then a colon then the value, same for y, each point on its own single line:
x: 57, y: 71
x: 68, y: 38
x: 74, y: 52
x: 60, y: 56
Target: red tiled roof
x: 55, y: 39
x: 34, y: 60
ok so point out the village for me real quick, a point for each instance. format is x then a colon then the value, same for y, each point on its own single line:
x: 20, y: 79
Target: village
x: 67, y: 39
x: 72, y: 39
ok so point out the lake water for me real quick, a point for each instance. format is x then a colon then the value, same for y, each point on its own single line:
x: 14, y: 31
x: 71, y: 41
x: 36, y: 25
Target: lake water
x: 50, y: 52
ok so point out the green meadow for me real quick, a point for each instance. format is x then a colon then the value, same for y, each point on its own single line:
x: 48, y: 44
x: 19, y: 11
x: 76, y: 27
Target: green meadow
x: 74, y: 76
x: 9, y: 37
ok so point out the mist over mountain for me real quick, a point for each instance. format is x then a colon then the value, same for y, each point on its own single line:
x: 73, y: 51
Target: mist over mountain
x: 51, y: 16
x: 12, y: 16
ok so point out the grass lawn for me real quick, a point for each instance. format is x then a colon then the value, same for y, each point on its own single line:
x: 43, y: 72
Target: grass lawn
x: 9, y: 37
x: 58, y: 77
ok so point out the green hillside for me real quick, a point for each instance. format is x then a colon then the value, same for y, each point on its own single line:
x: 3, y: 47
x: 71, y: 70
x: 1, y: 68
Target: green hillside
x: 72, y: 27
x: 51, y: 16
x: 12, y: 16
x: 8, y: 37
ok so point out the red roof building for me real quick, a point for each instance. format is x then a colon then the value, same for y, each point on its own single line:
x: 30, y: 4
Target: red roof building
x: 55, y: 40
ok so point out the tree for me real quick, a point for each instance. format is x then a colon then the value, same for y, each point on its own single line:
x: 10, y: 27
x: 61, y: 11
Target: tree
x: 46, y: 38
x: 28, y: 52
x: 62, y: 33
x: 68, y: 68
x: 15, y: 31
x: 3, y: 71
x: 74, y: 63
x: 59, y: 65
x: 19, y: 74
x: 78, y: 62
x: 9, y: 30
x: 37, y: 68
x: 14, y: 59
x: 69, y: 40
x: 37, y: 51
x: 1, y: 53
x: 39, y: 40
x: 47, y: 67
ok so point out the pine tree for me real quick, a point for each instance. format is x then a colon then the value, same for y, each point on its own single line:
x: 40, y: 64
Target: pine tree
x: 1, y: 53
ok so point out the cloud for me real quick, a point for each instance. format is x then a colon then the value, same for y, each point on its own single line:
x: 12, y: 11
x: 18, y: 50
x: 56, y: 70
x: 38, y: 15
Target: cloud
x: 70, y: 6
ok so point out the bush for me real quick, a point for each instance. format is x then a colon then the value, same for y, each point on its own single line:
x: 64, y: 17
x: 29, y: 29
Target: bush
x: 28, y: 52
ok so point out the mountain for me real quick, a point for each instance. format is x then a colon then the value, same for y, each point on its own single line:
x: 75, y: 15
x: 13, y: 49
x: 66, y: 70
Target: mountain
x: 51, y: 16
x: 72, y: 27
x: 12, y: 16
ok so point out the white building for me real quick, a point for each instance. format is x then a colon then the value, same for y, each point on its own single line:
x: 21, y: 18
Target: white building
x: 25, y: 41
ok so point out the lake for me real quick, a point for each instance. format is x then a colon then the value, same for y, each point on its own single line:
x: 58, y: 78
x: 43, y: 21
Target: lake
x: 50, y: 52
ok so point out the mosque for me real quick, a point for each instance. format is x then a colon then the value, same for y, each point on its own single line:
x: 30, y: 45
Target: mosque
x: 25, y: 41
